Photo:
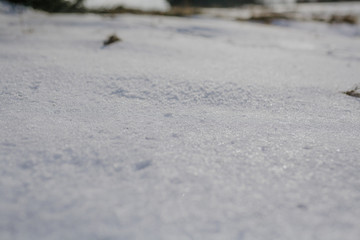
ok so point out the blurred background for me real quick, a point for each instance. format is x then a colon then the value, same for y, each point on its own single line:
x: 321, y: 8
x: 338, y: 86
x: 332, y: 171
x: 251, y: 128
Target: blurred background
x: 263, y: 11
x: 155, y: 4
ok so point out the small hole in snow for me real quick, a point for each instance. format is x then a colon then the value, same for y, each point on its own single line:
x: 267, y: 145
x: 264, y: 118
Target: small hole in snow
x: 142, y: 165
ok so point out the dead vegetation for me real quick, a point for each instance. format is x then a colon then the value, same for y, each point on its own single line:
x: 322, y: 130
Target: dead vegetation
x: 183, y: 11
x: 76, y: 6
x: 53, y: 6
x: 260, y: 14
x: 111, y: 39
x: 175, y: 11
x: 349, y: 19
x: 267, y: 16
x: 355, y: 92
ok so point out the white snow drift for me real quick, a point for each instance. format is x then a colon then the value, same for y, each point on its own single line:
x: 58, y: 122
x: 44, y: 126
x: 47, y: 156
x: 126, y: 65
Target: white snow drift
x: 146, y: 5
x: 186, y: 129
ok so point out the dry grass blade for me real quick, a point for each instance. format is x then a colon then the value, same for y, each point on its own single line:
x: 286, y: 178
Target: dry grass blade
x: 355, y: 92
x: 111, y: 39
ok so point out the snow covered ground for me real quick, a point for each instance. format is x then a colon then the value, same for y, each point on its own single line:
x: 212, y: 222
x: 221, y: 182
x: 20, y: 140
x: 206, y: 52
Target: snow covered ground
x: 301, y: 11
x: 146, y: 5
x: 189, y: 128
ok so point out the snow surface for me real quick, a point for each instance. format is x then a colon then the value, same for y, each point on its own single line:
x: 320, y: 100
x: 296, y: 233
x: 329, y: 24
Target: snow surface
x: 146, y: 5
x: 190, y: 128
x: 300, y: 11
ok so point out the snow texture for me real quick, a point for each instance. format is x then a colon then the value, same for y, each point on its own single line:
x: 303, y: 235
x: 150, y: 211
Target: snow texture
x: 189, y: 128
x: 146, y: 5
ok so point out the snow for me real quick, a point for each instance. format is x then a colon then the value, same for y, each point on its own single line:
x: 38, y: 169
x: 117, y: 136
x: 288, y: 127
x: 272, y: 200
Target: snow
x: 300, y: 11
x: 189, y: 128
x: 146, y: 5
x: 282, y: 3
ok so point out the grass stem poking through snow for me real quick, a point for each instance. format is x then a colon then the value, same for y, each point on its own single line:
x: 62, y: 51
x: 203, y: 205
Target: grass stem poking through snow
x: 355, y: 92
x: 111, y: 39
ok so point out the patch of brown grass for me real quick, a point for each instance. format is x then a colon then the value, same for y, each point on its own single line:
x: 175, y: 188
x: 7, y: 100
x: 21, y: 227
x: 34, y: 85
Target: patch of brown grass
x: 175, y: 11
x: 268, y: 17
x: 349, y: 19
